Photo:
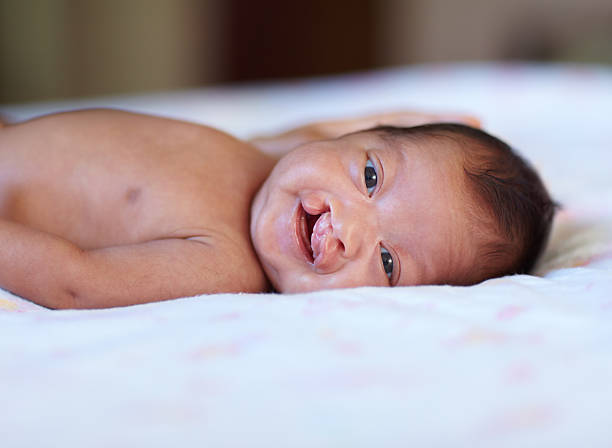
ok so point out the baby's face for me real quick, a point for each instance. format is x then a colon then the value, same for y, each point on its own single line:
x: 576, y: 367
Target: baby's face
x: 363, y: 210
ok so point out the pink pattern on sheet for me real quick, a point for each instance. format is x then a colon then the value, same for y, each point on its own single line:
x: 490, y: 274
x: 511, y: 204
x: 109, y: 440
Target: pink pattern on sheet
x: 227, y: 349
x: 510, y: 312
x: 519, y: 373
x: 529, y: 417
x: 340, y: 344
x: 476, y: 336
x: 8, y: 305
x: 13, y: 304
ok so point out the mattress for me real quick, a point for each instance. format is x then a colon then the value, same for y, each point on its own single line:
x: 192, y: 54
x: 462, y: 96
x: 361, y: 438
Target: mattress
x: 522, y: 360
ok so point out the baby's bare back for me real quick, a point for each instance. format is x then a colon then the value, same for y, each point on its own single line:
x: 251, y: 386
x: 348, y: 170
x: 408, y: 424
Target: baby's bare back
x: 102, y: 179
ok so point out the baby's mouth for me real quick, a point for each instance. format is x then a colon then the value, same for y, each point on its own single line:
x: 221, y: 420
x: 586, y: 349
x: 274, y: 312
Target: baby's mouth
x: 306, y: 223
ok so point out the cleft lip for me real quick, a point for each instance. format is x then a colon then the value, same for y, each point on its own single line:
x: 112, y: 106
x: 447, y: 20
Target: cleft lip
x: 324, y: 244
x: 309, y: 209
x: 302, y: 233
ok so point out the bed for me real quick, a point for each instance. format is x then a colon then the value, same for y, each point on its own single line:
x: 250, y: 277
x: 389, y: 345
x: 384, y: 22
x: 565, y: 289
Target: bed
x: 520, y: 361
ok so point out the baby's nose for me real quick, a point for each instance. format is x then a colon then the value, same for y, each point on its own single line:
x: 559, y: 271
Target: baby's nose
x: 353, y: 224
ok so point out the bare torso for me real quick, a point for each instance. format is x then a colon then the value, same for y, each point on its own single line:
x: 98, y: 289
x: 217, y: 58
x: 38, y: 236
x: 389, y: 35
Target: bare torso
x: 104, y: 178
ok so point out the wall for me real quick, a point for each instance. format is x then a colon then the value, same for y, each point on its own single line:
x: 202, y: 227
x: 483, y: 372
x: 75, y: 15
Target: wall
x: 67, y: 48
x: 439, y: 30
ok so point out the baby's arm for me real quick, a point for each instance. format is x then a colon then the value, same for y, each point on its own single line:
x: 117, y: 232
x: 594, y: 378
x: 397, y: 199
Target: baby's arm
x: 280, y: 144
x: 55, y: 273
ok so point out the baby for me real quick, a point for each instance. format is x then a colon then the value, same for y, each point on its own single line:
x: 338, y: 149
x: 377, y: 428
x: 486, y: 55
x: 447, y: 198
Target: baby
x: 103, y: 208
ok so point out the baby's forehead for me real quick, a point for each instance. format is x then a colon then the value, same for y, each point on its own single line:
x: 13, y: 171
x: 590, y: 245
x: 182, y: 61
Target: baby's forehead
x: 431, y: 184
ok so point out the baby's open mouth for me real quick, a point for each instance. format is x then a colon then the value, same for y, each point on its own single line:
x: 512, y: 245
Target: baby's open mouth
x: 306, y: 223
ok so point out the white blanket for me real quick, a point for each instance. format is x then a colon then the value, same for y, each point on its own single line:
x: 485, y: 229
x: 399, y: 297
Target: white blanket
x: 522, y: 361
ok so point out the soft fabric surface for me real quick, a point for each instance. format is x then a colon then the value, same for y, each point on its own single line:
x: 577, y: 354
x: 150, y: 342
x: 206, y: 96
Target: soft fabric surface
x: 518, y: 361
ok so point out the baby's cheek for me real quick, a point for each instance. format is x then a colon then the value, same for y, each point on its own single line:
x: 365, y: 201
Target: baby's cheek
x: 349, y: 277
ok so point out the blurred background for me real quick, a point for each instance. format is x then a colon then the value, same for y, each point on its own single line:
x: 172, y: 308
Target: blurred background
x: 51, y: 49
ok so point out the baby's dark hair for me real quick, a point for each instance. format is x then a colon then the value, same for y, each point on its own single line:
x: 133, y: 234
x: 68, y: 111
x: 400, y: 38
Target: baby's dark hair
x: 507, y: 189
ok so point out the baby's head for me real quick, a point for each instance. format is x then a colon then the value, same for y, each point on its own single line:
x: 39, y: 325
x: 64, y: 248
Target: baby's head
x: 432, y: 204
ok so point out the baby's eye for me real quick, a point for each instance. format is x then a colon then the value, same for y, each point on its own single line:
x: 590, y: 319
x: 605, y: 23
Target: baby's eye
x: 387, y: 261
x: 371, y: 178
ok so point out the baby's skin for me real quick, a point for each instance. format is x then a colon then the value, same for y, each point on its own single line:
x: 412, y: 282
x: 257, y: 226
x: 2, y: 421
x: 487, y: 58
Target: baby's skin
x: 363, y: 209
x: 103, y: 208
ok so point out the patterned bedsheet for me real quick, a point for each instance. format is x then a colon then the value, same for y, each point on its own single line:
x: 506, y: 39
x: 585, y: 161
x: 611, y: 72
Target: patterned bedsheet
x: 518, y: 361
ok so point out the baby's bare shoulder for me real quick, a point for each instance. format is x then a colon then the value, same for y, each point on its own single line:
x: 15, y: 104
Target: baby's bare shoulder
x: 116, y: 177
x: 148, y: 198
